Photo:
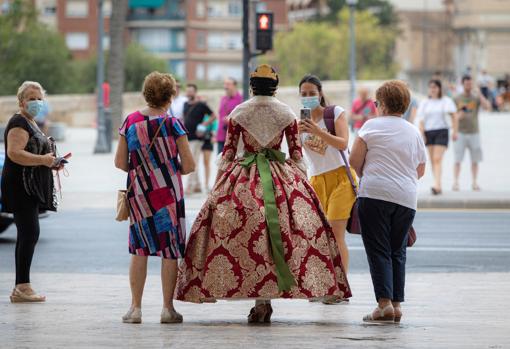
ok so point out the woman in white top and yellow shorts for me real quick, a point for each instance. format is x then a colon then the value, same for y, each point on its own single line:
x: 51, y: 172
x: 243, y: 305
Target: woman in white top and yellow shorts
x: 325, y: 165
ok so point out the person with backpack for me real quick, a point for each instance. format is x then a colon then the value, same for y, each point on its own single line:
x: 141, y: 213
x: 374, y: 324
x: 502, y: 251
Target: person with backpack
x: 324, y: 137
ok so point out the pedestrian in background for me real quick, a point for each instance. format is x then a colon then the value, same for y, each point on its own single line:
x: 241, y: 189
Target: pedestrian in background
x: 153, y: 149
x: 412, y: 109
x: 228, y: 102
x: 27, y: 183
x: 432, y: 113
x: 195, y: 112
x: 468, y: 105
x: 389, y: 157
x: 177, y: 106
x: 209, y: 138
x: 325, y: 164
x: 363, y: 109
x: 484, y: 83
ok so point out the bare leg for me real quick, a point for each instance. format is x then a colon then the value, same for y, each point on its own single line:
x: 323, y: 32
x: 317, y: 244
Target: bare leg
x: 207, y: 167
x: 339, y: 227
x: 168, y: 281
x: 474, y: 172
x: 137, y: 276
x: 456, y: 175
x: 437, y: 164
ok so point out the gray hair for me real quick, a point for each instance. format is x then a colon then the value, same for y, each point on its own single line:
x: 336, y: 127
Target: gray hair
x: 28, y: 85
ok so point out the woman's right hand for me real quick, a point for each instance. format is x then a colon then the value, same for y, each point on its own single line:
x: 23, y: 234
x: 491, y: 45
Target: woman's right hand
x: 48, y: 160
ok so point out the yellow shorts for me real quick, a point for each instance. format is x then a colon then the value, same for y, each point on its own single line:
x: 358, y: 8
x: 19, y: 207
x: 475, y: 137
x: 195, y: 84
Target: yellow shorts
x: 335, y: 193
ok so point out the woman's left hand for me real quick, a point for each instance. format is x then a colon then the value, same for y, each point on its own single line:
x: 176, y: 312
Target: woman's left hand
x: 310, y: 126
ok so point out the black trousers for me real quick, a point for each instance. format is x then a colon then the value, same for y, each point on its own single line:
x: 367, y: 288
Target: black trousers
x: 27, y: 223
x: 385, y: 227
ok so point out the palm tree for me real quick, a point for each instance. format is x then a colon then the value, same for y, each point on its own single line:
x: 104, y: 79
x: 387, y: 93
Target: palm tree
x: 115, y: 69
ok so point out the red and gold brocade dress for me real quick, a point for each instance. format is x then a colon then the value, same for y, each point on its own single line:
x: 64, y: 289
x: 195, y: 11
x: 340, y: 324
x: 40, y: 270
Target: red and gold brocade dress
x: 231, y: 248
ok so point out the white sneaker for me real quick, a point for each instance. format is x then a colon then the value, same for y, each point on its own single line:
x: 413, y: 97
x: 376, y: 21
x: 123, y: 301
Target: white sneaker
x: 133, y: 316
x: 170, y: 317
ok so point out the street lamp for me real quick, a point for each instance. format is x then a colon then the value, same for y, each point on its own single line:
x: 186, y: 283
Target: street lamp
x: 102, y: 138
x: 352, y: 61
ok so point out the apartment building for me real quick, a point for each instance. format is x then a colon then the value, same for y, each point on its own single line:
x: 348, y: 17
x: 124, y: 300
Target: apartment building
x: 77, y: 21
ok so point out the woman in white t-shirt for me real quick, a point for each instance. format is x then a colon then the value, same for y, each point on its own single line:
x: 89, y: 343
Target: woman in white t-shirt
x: 432, y: 113
x: 325, y: 165
x: 389, y: 156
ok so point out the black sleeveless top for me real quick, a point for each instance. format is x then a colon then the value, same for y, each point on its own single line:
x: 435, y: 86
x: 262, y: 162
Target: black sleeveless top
x: 21, y: 185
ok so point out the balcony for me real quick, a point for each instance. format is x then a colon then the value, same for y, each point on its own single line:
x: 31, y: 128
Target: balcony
x: 156, y: 10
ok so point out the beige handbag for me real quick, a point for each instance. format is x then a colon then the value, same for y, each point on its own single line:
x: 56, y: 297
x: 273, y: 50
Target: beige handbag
x: 122, y: 195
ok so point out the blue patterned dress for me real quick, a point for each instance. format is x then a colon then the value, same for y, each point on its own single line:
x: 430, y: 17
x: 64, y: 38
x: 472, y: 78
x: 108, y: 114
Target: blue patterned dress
x: 157, y: 220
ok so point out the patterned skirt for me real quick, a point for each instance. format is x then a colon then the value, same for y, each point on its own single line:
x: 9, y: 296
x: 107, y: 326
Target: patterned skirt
x: 228, y: 255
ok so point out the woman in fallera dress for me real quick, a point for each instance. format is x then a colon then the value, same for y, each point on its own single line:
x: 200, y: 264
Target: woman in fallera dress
x: 261, y: 233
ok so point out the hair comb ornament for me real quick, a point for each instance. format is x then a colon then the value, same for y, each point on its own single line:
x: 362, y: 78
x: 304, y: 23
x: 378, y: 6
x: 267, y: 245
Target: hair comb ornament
x: 264, y: 71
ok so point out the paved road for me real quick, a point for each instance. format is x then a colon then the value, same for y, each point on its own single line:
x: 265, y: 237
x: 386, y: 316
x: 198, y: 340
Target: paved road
x: 90, y: 241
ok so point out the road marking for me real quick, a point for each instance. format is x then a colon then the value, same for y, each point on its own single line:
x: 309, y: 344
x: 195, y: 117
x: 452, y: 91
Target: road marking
x: 446, y: 249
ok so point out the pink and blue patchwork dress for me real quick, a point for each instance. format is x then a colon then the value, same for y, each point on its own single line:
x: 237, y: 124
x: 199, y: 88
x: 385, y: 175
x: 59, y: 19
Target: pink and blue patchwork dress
x: 157, y: 222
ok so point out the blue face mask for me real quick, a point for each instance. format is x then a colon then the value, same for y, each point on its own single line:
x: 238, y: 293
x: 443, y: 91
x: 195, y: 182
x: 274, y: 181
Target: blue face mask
x: 311, y: 102
x: 34, y: 107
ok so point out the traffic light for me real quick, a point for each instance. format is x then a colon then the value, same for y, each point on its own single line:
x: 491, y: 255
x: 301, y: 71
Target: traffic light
x: 264, y: 32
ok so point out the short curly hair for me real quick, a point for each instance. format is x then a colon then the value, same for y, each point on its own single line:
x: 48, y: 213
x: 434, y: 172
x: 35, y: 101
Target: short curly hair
x: 158, y: 89
x: 27, y: 85
x: 394, y: 95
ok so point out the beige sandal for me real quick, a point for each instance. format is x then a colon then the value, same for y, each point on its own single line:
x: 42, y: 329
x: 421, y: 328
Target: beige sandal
x: 381, y: 316
x: 398, y: 314
x: 133, y: 316
x: 26, y: 296
x: 170, y: 317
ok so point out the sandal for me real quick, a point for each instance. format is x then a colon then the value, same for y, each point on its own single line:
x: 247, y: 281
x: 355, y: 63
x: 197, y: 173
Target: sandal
x: 381, y: 316
x: 398, y: 314
x: 26, y: 296
x: 436, y: 191
x: 133, y: 316
x: 476, y: 187
x: 332, y: 300
x: 170, y: 317
x: 455, y: 187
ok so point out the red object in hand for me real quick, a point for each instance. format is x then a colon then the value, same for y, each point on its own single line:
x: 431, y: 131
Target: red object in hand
x: 68, y: 155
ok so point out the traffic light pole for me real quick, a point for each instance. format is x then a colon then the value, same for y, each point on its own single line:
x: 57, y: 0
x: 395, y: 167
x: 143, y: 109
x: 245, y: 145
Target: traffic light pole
x: 246, y: 49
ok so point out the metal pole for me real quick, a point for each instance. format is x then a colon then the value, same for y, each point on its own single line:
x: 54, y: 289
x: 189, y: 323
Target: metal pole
x: 352, y: 63
x: 246, y: 48
x: 102, y: 139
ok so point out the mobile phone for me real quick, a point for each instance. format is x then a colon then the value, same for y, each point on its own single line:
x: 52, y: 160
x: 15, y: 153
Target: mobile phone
x: 306, y: 114
x: 67, y: 156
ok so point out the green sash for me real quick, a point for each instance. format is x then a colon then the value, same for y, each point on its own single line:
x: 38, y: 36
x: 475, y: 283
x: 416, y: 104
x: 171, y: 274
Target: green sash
x: 261, y: 159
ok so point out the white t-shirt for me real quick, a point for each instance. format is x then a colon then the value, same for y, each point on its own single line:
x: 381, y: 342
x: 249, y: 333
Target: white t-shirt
x: 395, y: 149
x: 323, y: 158
x: 177, y: 107
x: 434, y: 112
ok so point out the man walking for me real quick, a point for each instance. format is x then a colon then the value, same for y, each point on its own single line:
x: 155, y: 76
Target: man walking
x: 228, y: 103
x: 468, y: 106
x: 177, y: 106
x: 195, y: 112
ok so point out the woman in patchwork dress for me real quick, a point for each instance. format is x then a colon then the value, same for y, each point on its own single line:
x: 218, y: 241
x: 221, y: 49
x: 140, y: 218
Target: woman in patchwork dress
x: 156, y: 202
x: 261, y: 234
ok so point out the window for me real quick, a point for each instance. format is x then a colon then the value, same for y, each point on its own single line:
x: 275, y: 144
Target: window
x: 219, y: 71
x: 215, y: 10
x: 77, y: 8
x: 215, y: 41
x: 200, y: 9
x: 155, y: 40
x: 200, y: 71
x: 107, y: 9
x: 49, y: 10
x: 180, y: 41
x: 178, y: 68
x: 224, y: 41
x: 235, y: 8
x: 106, y: 42
x: 77, y: 41
x: 201, y: 40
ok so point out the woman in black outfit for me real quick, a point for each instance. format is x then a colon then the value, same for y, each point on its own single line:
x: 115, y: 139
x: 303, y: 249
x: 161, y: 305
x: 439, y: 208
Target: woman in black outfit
x: 27, y: 183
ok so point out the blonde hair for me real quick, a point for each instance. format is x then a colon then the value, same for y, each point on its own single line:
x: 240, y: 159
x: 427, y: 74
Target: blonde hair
x: 22, y: 90
x: 158, y: 89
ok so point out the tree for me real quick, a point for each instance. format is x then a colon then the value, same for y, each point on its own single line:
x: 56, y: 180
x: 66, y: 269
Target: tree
x: 139, y: 63
x: 382, y: 9
x: 323, y: 49
x: 30, y: 51
x: 115, y: 70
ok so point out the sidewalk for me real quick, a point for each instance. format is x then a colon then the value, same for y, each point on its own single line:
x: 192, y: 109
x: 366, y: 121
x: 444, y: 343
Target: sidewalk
x: 94, y: 180
x: 84, y: 311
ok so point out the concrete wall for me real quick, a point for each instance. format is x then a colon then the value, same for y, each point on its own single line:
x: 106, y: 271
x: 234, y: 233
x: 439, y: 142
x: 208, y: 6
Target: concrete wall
x: 80, y: 110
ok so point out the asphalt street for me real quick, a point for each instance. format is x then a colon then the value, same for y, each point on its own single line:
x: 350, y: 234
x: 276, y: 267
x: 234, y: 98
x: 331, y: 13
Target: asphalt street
x: 91, y: 241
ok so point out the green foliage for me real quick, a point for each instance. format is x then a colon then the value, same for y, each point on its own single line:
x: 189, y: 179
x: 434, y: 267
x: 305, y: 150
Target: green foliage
x: 138, y: 64
x: 382, y: 9
x: 31, y: 51
x: 323, y: 49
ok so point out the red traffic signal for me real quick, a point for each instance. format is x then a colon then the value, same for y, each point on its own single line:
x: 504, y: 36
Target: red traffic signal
x: 264, y: 32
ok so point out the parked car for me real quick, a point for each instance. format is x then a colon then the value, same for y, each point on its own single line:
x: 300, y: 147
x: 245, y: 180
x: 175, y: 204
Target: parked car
x: 5, y: 219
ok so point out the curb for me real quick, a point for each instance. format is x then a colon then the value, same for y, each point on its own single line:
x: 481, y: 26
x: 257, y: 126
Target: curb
x: 482, y: 204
